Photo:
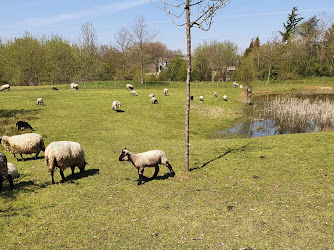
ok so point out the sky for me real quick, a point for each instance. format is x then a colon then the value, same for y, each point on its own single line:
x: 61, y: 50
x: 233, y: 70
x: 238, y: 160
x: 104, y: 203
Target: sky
x: 238, y: 22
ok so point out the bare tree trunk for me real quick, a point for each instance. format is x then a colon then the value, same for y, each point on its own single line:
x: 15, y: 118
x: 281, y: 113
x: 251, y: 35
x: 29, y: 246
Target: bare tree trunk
x: 186, y: 132
x: 269, y: 74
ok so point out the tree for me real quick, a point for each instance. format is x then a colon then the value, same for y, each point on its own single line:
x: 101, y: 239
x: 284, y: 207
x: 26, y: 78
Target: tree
x: 142, y: 35
x: 290, y: 25
x: 123, y: 43
x: 177, y: 9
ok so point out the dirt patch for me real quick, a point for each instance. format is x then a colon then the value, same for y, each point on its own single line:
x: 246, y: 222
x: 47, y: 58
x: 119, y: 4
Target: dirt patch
x: 214, y: 112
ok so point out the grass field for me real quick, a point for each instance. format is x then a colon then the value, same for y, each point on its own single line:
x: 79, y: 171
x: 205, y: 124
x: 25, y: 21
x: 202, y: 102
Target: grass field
x: 270, y: 192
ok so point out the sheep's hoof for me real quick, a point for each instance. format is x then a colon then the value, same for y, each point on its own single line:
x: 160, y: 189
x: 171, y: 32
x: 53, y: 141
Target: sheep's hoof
x: 139, y: 183
x: 172, y: 174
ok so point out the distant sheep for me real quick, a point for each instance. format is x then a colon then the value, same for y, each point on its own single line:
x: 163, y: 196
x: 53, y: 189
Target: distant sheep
x: 225, y: 98
x: 201, y: 98
x: 129, y: 86
x: 54, y: 89
x: 40, y: 101
x: 234, y: 84
x: 74, y: 86
x: 64, y: 154
x: 133, y: 92
x: 154, y: 100
x: 241, y: 86
x: 215, y: 94
x: 4, y: 172
x: 116, y: 105
x: 165, y: 91
x: 23, y: 144
x: 151, y: 95
x: 146, y: 159
x: 5, y: 87
x: 12, y: 170
x: 21, y: 125
x: 191, y: 98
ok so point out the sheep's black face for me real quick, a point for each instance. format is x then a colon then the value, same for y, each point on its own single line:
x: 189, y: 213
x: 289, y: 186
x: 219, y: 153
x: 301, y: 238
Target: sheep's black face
x: 124, y: 156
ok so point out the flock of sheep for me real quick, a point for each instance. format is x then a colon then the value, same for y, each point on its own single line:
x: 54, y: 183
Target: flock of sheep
x: 64, y: 154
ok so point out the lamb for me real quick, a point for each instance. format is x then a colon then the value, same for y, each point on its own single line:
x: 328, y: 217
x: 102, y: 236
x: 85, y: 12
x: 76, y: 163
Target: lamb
x: 215, y: 94
x: 74, y: 86
x: 234, y: 84
x: 4, y: 172
x: 116, y: 105
x: 151, y: 95
x: 40, y: 101
x: 5, y: 87
x: 12, y: 170
x: 165, y: 91
x: 21, y: 125
x: 201, y: 98
x: 150, y: 158
x: 54, y: 89
x: 241, y: 86
x: 23, y: 144
x: 225, y: 98
x: 64, y: 154
x: 154, y: 100
x: 129, y: 86
x: 133, y: 92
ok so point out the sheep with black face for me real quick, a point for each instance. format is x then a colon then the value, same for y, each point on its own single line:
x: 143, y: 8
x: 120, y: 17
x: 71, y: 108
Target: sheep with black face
x: 150, y: 158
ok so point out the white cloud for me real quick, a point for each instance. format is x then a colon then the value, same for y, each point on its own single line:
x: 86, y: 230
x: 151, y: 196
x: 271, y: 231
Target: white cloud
x: 94, y: 11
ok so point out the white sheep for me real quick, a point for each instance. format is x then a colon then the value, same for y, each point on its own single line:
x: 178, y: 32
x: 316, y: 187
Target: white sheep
x: 129, y: 86
x: 151, y: 95
x: 165, y: 91
x: 40, y: 101
x: 201, y: 98
x: 234, y: 84
x: 64, y: 154
x: 154, y: 100
x: 12, y: 170
x: 215, y: 94
x: 23, y: 144
x: 5, y: 87
x: 133, y: 92
x: 241, y: 86
x: 4, y: 172
x: 116, y: 105
x: 225, y: 98
x: 146, y: 159
x: 74, y: 86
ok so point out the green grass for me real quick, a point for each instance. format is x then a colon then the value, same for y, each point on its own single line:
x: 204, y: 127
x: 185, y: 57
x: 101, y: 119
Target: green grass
x: 270, y: 192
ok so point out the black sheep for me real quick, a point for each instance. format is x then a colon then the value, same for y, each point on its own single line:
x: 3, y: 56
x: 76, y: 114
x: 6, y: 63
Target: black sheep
x: 21, y: 125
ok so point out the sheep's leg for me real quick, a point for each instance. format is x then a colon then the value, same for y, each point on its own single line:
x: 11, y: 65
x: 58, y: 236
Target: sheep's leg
x: 172, y: 173
x: 62, y: 175
x: 16, y: 157
x: 1, y: 182
x: 10, y: 180
x: 72, y: 171
x: 53, y: 180
x: 22, y: 157
x: 140, y: 173
x: 37, y: 155
x: 156, y: 172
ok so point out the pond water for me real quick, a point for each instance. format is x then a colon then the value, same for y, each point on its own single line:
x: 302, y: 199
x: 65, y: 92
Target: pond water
x: 284, y: 114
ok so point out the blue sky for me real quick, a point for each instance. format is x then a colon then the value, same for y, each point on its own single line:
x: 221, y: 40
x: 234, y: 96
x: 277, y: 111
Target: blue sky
x: 239, y: 22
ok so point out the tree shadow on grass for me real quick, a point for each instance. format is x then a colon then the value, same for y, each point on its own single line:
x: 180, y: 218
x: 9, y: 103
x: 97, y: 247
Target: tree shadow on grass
x: 242, y: 148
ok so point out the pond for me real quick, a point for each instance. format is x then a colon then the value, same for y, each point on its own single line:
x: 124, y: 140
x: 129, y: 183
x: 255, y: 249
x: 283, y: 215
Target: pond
x: 284, y: 114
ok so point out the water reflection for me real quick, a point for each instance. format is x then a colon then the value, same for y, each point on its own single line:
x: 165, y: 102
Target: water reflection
x: 266, y: 117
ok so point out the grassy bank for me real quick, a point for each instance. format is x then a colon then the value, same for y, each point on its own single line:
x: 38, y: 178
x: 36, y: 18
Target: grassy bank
x: 269, y: 192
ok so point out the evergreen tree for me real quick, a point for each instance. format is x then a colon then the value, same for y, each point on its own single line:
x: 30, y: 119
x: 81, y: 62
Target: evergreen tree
x: 290, y: 25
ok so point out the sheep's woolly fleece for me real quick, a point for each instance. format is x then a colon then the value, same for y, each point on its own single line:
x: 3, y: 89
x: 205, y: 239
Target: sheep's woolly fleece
x: 23, y: 144
x: 66, y: 153
x: 3, y: 165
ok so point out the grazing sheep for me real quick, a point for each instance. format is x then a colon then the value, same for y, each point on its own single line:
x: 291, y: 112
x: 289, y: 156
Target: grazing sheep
x: 165, y: 91
x: 4, y: 172
x: 116, y: 105
x: 234, y: 84
x: 40, y: 101
x: 64, y: 154
x: 5, y: 87
x: 201, y: 98
x: 23, y: 144
x: 133, y: 92
x: 215, y: 94
x: 154, y: 100
x: 225, y: 98
x: 54, y: 88
x: 241, y: 86
x: 74, y: 86
x: 151, y: 95
x: 12, y: 170
x: 21, y: 125
x: 191, y: 98
x: 146, y: 159
x: 129, y: 86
